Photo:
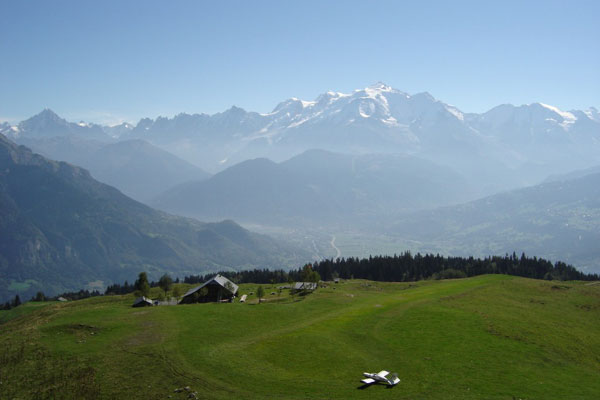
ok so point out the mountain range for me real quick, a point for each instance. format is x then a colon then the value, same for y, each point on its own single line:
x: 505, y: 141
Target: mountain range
x: 503, y: 148
x: 375, y: 158
x: 60, y: 229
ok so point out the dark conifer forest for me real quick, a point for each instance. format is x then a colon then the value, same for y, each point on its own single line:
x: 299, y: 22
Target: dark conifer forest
x: 397, y: 268
x: 407, y: 267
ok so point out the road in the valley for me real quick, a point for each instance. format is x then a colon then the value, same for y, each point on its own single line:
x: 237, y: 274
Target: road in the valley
x: 332, y: 243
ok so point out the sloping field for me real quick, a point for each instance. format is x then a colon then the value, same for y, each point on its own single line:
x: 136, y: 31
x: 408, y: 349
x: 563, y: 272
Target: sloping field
x: 493, y: 337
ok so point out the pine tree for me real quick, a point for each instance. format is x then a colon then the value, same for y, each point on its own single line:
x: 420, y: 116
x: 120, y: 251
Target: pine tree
x: 142, y: 286
x: 165, y: 283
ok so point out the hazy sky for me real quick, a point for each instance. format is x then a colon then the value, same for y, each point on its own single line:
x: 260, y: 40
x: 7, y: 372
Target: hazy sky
x: 106, y: 61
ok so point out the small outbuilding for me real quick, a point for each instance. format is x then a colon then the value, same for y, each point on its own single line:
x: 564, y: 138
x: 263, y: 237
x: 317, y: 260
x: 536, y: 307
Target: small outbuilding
x: 217, y: 289
x: 142, y: 302
x: 304, y: 286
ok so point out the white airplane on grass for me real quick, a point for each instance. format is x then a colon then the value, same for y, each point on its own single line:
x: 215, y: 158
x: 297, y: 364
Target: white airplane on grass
x: 381, y: 377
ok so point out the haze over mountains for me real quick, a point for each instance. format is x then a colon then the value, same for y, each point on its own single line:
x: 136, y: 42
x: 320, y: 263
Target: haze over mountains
x: 135, y: 167
x: 62, y: 230
x: 503, y: 148
x: 559, y: 219
x: 374, y: 161
x: 382, y: 119
x: 318, y: 187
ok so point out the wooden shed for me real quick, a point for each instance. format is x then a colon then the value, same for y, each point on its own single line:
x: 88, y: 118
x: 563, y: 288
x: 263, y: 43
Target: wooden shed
x: 217, y: 289
x: 142, y: 302
x: 304, y: 287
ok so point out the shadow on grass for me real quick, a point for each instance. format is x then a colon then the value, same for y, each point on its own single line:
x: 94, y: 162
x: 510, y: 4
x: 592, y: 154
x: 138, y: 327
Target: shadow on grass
x: 363, y: 387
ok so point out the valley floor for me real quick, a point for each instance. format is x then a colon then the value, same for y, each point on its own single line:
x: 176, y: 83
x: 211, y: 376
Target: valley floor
x: 493, y: 337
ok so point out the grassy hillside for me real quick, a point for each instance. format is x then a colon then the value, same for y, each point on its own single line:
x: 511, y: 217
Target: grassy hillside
x: 494, y: 337
x: 24, y: 309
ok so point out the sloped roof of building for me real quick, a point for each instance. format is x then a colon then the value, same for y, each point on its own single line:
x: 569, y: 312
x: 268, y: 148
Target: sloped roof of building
x: 219, y: 279
x: 143, y: 299
x: 305, y: 285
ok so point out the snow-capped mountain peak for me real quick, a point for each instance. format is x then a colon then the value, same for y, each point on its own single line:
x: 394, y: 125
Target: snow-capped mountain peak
x: 379, y: 88
x: 567, y: 116
x: 116, y: 131
x: 593, y: 114
x: 379, y: 106
x: 48, y: 124
x: 329, y: 97
x: 455, y: 111
x: 377, y: 118
x: 293, y: 105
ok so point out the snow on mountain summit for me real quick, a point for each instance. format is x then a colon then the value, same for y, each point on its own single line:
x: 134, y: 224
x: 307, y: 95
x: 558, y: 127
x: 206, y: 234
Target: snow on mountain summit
x: 593, y: 114
x: 377, y: 118
x: 568, y: 118
x: 378, y: 103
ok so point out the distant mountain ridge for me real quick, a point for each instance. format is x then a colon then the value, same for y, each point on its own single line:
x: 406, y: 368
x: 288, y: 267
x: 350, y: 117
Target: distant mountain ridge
x: 135, y: 167
x: 505, y: 144
x: 61, y: 230
x: 48, y: 124
x: 580, y: 173
x: 558, y: 220
x: 318, y: 187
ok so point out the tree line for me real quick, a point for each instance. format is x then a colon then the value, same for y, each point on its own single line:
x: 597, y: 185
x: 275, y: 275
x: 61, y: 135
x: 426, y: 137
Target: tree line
x: 16, y: 302
x: 402, y: 267
x: 408, y: 267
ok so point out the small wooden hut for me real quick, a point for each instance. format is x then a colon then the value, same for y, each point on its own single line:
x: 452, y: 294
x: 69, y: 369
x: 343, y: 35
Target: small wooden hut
x: 142, y: 302
x: 304, y: 287
x: 216, y: 289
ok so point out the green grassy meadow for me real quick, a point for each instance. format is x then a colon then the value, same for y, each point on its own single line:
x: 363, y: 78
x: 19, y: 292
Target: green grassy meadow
x: 492, y: 337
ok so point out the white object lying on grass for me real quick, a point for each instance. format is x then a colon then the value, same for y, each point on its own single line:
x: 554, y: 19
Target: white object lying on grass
x: 381, y: 377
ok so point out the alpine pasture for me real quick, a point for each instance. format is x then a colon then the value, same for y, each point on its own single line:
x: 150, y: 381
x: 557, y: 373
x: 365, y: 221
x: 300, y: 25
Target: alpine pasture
x: 492, y: 336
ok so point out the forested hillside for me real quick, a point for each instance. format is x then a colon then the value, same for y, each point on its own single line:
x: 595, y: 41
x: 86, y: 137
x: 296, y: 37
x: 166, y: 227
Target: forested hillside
x: 62, y: 230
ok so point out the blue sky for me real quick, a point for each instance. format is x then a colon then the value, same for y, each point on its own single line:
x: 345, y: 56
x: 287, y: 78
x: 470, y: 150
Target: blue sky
x: 108, y: 61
